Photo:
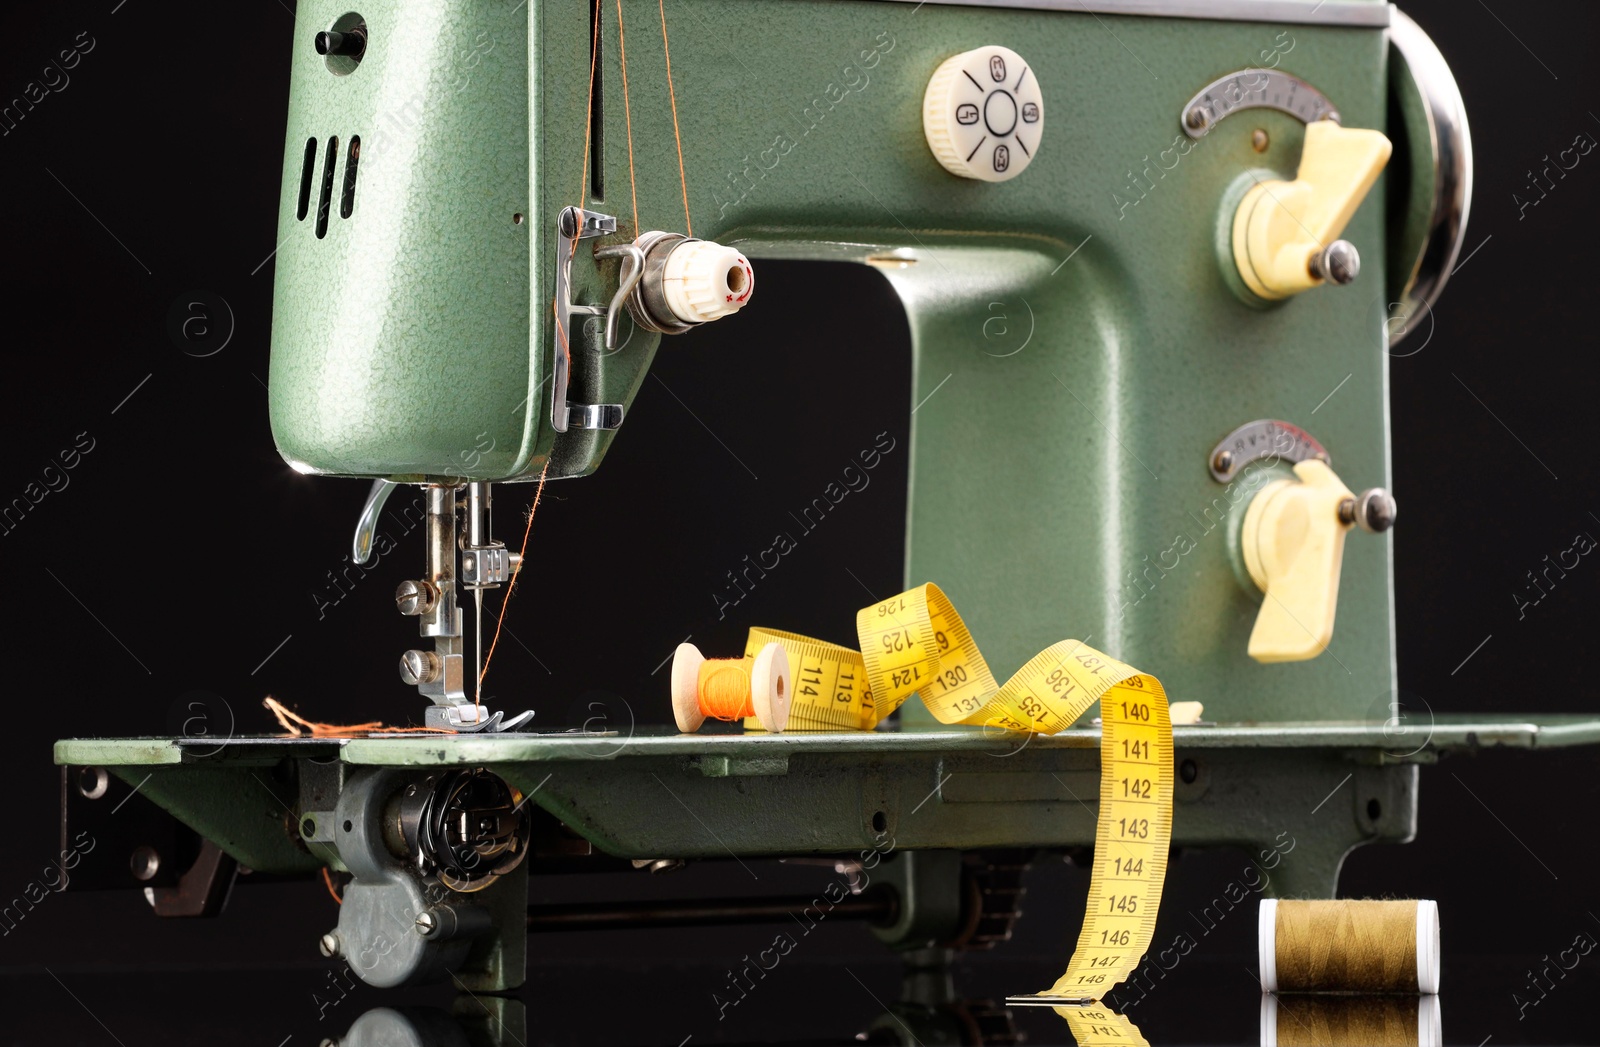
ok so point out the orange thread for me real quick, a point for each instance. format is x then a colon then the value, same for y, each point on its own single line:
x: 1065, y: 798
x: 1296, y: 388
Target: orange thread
x: 583, y: 184
x: 297, y: 726
x: 724, y: 688
x: 328, y: 879
x: 688, y: 226
x: 500, y: 619
x: 627, y: 111
x: 588, y: 117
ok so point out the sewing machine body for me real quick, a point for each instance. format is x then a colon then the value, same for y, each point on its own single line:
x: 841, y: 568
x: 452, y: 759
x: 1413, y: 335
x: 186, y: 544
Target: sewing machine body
x: 1059, y: 458
x: 1054, y: 478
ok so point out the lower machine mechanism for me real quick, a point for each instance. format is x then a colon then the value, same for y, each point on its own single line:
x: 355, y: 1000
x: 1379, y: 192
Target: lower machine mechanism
x: 440, y: 839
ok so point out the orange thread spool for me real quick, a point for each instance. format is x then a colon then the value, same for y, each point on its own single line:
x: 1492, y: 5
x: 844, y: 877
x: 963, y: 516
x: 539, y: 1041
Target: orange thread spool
x: 730, y: 689
x: 724, y: 687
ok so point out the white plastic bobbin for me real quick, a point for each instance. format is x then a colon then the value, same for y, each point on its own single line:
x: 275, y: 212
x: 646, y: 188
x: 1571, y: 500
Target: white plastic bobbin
x: 704, y: 281
x: 1267, y: 947
x: 769, y: 688
x: 983, y: 114
x: 1430, y: 1025
x: 1427, y: 947
x: 1269, y: 1020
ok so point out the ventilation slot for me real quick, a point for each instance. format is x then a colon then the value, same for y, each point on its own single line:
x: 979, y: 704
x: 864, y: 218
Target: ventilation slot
x: 347, y: 201
x: 306, y: 171
x: 327, y: 187
x: 597, y: 110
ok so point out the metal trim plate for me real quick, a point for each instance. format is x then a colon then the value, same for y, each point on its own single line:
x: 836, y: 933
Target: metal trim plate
x: 1296, y: 12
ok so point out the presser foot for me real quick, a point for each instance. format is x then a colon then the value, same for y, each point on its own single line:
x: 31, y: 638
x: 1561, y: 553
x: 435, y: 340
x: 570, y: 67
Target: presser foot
x: 473, y: 719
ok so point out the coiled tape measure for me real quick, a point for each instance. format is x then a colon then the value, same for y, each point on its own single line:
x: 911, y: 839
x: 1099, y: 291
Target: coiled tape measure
x: 916, y: 644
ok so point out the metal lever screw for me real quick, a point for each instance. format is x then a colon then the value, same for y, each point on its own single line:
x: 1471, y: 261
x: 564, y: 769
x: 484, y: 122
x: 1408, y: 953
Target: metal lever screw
x: 1337, y: 263
x: 1373, y: 510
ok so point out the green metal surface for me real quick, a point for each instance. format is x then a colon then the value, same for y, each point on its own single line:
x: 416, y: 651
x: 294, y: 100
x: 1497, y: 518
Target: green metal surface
x: 1409, y: 741
x: 1329, y: 786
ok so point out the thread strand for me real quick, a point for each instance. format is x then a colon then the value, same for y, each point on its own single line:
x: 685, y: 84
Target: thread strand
x: 627, y: 111
x: 672, y: 94
x: 511, y: 586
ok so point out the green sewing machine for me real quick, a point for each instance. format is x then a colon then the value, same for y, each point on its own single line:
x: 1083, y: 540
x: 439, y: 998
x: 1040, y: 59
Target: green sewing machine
x: 1218, y: 214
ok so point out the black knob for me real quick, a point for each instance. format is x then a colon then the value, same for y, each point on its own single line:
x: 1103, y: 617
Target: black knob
x: 350, y: 44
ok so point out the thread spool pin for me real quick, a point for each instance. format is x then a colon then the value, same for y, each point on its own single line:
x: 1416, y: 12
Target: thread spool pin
x: 769, y: 687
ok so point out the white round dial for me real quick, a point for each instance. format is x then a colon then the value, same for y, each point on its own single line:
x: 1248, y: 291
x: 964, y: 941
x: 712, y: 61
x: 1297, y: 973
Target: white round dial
x: 983, y: 114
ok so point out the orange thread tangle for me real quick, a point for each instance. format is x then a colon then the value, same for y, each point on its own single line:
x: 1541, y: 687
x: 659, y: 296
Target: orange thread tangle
x: 725, y: 689
x: 296, y: 726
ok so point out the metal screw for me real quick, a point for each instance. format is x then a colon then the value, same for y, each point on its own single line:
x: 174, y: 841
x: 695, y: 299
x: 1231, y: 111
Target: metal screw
x: 427, y: 923
x: 1196, y: 118
x: 414, y: 598
x: 1338, y: 263
x: 1223, y: 461
x: 145, y: 862
x: 328, y: 944
x: 417, y: 667
x: 351, y: 44
x: 1259, y: 140
x: 93, y: 782
x: 1373, y: 510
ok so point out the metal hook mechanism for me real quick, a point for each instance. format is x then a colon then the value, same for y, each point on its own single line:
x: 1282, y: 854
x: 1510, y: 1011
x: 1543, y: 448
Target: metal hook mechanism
x: 575, y: 224
x: 367, y: 525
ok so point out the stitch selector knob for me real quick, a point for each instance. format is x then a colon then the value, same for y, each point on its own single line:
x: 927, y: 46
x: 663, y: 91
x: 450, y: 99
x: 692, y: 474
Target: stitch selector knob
x: 983, y: 114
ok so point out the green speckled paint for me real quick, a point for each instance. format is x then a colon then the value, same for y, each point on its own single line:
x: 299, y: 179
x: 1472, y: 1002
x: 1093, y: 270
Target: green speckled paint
x: 1049, y: 488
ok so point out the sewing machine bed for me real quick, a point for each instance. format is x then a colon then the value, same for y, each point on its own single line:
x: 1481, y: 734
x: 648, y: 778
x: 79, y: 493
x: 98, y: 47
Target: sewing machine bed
x: 1331, y: 785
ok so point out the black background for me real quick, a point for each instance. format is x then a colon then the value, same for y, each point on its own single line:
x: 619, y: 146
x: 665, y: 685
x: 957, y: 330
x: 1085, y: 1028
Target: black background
x: 183, y: 552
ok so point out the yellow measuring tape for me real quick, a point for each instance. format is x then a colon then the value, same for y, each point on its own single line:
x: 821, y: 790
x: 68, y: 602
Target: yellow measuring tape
x: 916, y: 644
x: 1101, y: 1027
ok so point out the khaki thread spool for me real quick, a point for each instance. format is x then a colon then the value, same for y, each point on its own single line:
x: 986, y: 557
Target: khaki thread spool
x: 730, y: 688
x: 1351, y: 1021
x: 1349, y: 946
